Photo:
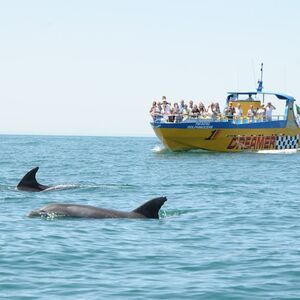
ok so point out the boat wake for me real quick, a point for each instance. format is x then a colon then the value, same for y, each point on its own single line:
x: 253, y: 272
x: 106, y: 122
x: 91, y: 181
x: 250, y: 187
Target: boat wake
x: 282, y: 151
x: 89, y: 187
x: 160, y: 149
x: 62, y: 187
x: 176, y: 212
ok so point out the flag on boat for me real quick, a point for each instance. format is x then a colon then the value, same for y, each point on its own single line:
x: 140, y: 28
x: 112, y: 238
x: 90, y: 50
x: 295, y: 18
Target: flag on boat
x: 298, y: 109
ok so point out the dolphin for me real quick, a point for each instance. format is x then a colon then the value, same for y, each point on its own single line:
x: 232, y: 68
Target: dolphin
x: 29, y: 183
x: 149, y: 209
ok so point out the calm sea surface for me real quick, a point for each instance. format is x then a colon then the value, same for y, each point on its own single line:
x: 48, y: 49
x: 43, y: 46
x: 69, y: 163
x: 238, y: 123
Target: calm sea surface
x: 229, y: 230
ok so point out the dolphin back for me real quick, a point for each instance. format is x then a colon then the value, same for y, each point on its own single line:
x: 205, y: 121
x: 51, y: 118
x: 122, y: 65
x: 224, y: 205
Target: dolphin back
x: 151, y: 208
x: 29, y: 182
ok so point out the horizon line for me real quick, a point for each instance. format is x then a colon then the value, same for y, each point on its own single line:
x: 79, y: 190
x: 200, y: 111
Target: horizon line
x: 77, y: 135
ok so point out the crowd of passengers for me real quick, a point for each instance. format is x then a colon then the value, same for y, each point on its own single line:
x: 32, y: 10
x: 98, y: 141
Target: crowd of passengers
x: 182, y: 111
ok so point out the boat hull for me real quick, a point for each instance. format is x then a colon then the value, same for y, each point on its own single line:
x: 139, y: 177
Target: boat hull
x: 232, y: 135
x: 228, y: 139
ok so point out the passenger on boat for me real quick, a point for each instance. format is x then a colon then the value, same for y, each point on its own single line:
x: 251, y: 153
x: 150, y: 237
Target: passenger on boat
x: 155, y: 110
x: 269, y: 109
x: 251, y: 113
x: 181, y: 106
x: 195, y: 112
x: 238, y: 112
x: 202, y: 109
x: 229, y: 111
x: 175, y: 111
x: 186, y: 112
x: 261, y: 112
x: 211, y: 110
x: 250, y: 98
x: 217, y: 108
x: 166, y: 108
x: 159, y: 107
x: 191, y: 105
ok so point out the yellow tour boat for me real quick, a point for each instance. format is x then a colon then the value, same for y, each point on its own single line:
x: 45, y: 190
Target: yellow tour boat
x: 233, y: 133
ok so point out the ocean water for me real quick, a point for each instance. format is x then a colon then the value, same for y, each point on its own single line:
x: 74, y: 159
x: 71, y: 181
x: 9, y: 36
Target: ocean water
x: 229, y: 230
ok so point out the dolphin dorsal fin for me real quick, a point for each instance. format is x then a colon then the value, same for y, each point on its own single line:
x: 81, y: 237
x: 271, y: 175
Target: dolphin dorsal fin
x: 29, y: 181
x: 29, y: 178
x: 151, y: 208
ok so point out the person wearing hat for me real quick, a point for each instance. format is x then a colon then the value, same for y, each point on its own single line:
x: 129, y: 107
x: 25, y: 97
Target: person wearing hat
x: 269, y: 108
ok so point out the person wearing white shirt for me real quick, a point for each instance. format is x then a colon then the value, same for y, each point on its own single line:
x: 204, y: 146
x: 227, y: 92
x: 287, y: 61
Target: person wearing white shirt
x: 238, y: 111
x: 251, y: 113
x: 261, y: 112
x: 269, y: 109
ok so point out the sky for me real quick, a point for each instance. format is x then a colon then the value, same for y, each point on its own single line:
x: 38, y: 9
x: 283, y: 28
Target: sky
x: 93, y: 67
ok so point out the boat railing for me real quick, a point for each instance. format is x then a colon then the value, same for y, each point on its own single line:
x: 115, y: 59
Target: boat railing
x: 178, y: 118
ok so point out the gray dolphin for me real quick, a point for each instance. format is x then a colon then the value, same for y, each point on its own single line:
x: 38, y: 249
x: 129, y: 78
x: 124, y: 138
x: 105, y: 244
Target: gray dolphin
x: 29, y: 183
x: 149, y: 209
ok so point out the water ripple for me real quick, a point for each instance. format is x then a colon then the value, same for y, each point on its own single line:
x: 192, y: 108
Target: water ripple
x: 229, y: 229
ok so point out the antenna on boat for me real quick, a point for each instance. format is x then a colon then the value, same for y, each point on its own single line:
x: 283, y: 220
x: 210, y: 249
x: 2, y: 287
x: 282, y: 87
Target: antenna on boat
x: 260, y: 82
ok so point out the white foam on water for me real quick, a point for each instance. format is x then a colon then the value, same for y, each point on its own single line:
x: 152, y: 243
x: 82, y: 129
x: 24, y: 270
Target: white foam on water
x: 282, y: 151
x: 61, y: 187
x: 160, y: 149
x: 163, y: 149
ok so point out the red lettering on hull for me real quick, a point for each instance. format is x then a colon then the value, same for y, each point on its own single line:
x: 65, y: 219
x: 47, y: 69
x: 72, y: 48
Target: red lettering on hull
x: 232, y: 143
x: 252, y: 142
